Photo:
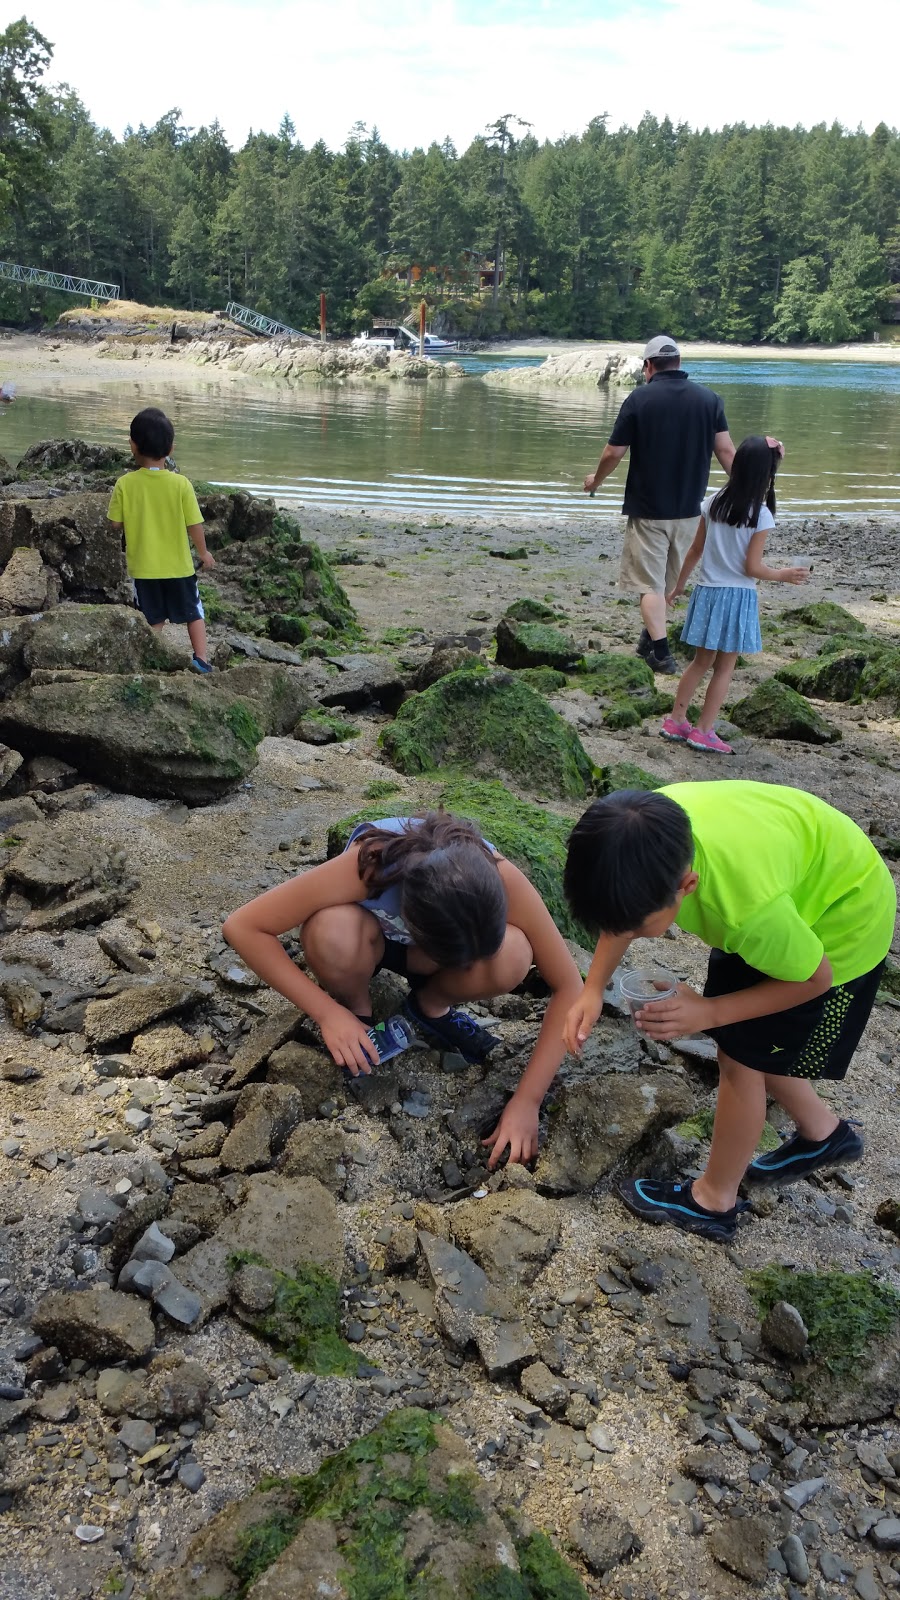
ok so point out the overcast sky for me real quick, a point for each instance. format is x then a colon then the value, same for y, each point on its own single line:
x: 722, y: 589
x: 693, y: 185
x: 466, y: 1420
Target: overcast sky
x: 419, y: 70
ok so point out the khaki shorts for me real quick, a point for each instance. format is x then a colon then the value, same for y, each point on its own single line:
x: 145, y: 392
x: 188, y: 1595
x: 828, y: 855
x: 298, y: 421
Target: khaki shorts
x: 653, y: 553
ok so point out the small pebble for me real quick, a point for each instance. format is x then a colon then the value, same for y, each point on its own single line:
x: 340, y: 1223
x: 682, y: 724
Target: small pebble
x: 191, y: 1476
x: 87, y: 1533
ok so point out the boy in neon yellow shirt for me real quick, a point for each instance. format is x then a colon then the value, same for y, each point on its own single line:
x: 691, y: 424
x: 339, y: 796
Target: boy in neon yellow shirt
x: 798, y: 908
x: 159, y: 513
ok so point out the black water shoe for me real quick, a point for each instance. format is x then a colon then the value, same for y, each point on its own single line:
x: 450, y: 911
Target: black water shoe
x: 674, y: 1203
x: 455, y: 1030
x: 798, y: 1157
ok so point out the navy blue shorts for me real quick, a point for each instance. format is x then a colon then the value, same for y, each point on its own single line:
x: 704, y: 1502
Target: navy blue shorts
x: 815, y: 1040
x: 168, y: 599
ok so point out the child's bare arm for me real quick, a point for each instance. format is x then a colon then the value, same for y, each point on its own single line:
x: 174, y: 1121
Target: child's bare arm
x: 688, y: 1012
x: 583, y: 1014
x: 690, y: 561
x: 253, y: 931
x: 756, y: 567
x: 518, y: 1127
x: 198, y: 540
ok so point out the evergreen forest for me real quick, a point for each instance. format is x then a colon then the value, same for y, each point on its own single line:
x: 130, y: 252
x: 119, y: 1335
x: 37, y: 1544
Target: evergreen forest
x: 745, y: 234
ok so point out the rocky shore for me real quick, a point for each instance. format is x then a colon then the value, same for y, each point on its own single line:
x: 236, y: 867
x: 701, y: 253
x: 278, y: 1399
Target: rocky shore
x: 265, y: 1333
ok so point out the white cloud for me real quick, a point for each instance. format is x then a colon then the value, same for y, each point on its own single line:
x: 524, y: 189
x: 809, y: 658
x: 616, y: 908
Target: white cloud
x: 420, y: 71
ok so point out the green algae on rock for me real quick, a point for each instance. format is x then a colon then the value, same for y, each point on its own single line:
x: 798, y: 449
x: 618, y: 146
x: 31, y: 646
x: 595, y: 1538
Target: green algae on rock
x: 303, y: 1318
x: 534, y: 644
x: 546, y: 680
x: 824, y: 616
x: 625, y: 685
x: 400, y: 1514
x: 528, y: 610
x: 774, y: 711
x: 843, y: 1311
x: 533, y: 838
x: 624, y: 775
x: 324, y: 727
x: 491, y: 725
x: 828, y: 677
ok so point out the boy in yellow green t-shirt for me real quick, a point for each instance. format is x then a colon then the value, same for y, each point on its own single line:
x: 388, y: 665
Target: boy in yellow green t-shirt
x: 159, y: 513
x: 798, y: 909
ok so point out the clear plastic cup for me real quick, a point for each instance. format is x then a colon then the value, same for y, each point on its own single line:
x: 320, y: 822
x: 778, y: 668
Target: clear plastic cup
x: 642, y: 985
x: 800, y: 561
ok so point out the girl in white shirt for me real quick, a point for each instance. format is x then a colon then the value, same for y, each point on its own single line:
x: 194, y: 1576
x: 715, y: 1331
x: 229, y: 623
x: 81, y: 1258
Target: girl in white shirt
x: 723, y: 616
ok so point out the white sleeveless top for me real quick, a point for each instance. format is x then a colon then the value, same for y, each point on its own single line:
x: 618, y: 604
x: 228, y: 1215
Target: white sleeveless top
x: 724, y: 561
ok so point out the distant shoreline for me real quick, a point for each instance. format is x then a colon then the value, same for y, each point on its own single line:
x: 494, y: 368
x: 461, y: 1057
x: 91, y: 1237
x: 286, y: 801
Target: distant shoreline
x: 702, y: 350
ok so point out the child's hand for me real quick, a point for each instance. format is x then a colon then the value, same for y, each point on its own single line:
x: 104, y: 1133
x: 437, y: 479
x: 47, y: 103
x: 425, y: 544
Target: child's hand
x: 517, y: 1130
x: 687, y: 1012
x: 206, y: 561
x: 795, y: 575
x: 675, y: 595
x: 348, y: 1041
x: 580, y: 1020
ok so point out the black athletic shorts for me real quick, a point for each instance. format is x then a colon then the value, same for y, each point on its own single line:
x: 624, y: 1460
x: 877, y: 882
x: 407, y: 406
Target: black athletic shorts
x: 395, y: 959
x: 168, y: 599
x: 815, y: 1040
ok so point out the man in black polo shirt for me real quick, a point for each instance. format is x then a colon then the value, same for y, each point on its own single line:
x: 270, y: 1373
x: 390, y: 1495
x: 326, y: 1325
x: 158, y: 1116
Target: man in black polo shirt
x: 672, y: 428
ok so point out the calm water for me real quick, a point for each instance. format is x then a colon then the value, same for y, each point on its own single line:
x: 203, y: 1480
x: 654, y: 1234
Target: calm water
x: 469, y: 447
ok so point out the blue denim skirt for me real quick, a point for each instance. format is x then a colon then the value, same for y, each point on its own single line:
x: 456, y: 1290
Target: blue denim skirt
x: 723, y: 619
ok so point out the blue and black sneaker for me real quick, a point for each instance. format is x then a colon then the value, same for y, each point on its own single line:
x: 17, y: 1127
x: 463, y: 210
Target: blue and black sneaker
x: 674, y: 1203
x: 798, y: 1157
x: 455, y: 1030
x: 199, y: 665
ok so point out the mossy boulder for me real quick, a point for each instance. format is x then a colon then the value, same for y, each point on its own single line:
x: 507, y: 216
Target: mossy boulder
x: 824, y: 616
x: 531, y: 611
x: 775, y: 711
x: 533, y: 838
x: 324, y: 727
x: 534, y: 644
x: 830, y: 677
x: 880, y: 678
x: 178, y: 736
x: 546, y: 680
x: 491, y: 725
x: 625, y: 775
x: 625, y: 686
x: 853, y: 1323
x: 400, y: 1514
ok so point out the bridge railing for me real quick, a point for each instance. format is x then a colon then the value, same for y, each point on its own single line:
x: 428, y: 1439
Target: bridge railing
x: 67, y: 282
x: 248, y: 318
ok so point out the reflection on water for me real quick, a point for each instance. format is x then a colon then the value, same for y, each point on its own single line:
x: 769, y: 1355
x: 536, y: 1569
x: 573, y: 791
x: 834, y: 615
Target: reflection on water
x: 467, y: 447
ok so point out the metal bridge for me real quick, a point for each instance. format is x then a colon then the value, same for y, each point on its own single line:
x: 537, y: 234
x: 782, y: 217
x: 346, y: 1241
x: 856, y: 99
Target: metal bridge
x: 67, y: 282
x: 260, y: 324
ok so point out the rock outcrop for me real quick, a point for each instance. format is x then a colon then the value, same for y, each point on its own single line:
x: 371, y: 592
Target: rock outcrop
x: 173, y: 737
x: 595, y: 369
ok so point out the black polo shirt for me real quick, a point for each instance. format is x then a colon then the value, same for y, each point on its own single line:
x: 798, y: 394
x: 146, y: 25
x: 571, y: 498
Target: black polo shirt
x: 669, y: 426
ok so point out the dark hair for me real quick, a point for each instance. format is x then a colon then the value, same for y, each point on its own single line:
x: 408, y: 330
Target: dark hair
x: 627, y: 856
x: 750, y: 486
x: 664, y: 363
x: 153, y: 433
x: 452, y: 897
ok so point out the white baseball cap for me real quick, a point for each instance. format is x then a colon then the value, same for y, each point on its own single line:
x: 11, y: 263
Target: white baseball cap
x: 662, y: 345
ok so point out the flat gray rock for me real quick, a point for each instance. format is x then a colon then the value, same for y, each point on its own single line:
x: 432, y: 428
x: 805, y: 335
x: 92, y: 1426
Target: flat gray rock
x: 472, y: 1309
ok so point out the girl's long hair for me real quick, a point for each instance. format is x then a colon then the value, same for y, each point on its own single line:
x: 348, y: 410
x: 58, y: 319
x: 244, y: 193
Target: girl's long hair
x: 452, y: 897
x: 750, y: 487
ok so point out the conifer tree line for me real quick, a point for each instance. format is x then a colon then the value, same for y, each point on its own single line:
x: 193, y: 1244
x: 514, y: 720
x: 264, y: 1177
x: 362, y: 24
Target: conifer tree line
x: 743, y: 234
